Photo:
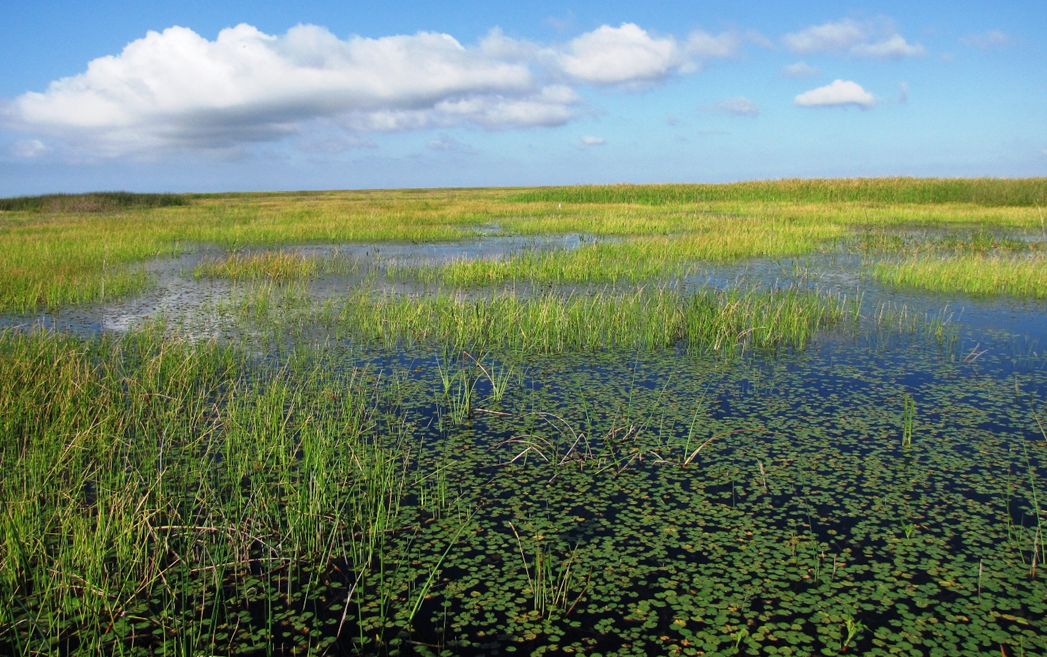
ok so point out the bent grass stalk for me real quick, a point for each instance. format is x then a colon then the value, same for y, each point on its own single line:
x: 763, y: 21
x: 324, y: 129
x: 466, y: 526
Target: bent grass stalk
x: 908, y: 417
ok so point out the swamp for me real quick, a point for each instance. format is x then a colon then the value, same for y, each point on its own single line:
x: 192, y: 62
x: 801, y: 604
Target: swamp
x: 788, y: 417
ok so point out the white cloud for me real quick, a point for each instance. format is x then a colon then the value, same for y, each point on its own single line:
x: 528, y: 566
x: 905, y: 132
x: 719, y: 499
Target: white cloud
x: 588, y: 140
x: 874, y: 39
x: 800, y: 70
x: 445, y: 143
x: 176, y: 90
x: 841, y: 93
x: 738, y: 106
x: 29, y: 148
x: 986, y: 40
x: 620, y: 55
x: 713, y: 46
x: 828, y: 37
x: 893, y: 48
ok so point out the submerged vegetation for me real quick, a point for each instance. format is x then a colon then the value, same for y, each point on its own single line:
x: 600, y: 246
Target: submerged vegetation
x: 625, y: 420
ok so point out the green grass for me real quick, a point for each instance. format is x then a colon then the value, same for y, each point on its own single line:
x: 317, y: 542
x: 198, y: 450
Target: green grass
x: 65, y: 256
x: 975, y: 274
x: 90, y: 202
x: 980, y: 191
x: 135, y: 471
x: 271, y: 265
x: 647, y: 318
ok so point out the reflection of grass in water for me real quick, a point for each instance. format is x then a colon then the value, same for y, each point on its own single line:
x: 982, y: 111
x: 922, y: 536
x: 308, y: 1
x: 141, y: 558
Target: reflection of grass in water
x: 1018, y: 275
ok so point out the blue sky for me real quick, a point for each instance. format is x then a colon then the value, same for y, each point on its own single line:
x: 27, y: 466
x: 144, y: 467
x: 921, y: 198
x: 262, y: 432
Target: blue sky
x: 227, y: 96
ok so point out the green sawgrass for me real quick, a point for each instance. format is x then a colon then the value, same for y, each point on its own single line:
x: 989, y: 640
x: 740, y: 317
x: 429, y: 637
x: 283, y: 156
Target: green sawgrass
x: 90, y: 202
x: 975, y: 274
x: 134, y: 472
x: 634, y: 260
x: 648, y: 318
x: 982, y: 191
x: 271, y: 265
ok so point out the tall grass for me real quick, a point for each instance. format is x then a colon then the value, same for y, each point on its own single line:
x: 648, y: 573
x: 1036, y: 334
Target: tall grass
x: 976, y: 274
x: 980, y: 191
x: 141, y: 478
x: 634, y: 260
x: 276, y: 265
x: 730, y: 321
x: 90, y: 202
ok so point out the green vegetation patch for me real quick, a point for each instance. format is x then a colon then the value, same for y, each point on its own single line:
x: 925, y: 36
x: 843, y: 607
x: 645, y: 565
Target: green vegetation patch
x: 976, y: 274
x: 90, y: 202
x: 980, y: 191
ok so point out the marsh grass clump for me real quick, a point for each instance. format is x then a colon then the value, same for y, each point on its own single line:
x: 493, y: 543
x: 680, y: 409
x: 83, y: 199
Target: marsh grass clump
x: 90, y: 202
x: 913, y: 242
x: 1022, y: 275
x: 658, y: 318
x: 981, y: 191
x: 276, y: 265
x: 147, y: 482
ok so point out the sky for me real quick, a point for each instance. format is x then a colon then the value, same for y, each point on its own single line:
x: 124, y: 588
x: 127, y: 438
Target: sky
x: 214, y: 96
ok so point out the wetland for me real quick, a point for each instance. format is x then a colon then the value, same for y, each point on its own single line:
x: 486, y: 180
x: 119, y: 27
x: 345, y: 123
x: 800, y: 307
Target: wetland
x: 788, y: 417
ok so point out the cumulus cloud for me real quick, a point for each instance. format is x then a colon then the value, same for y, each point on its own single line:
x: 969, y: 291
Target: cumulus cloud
x: 621, y: 55
x: 841, y: 93
x: 835, y: 36
x: 986, y: 40
x: 800, y: 70
x: 737, y: 106
x: 713, y: 46
x: 448, y: 144
x: 177, y: 90
x: 874, y: 39
x: 29, y: 148
x: 894, y: 47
